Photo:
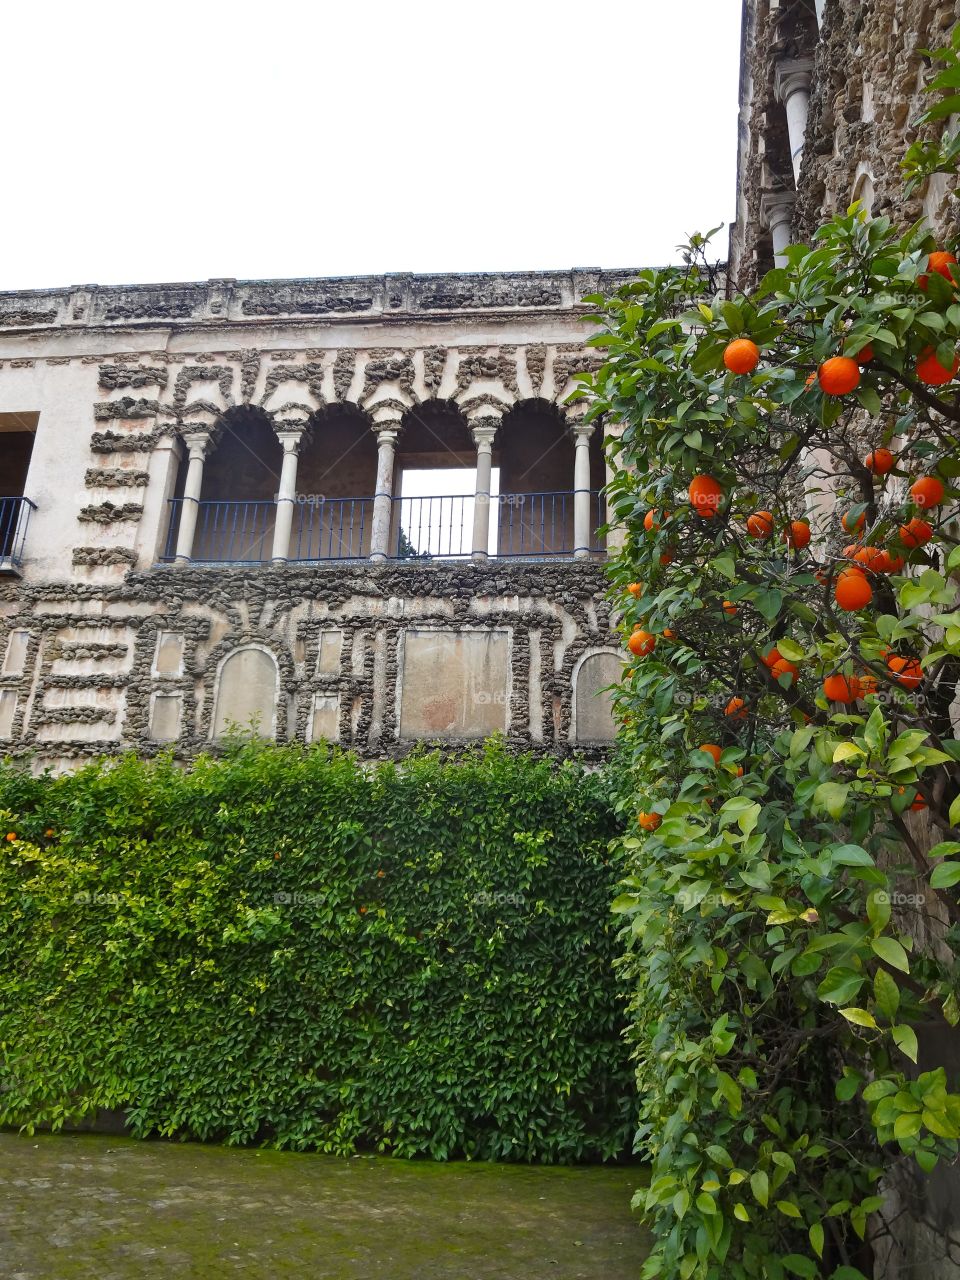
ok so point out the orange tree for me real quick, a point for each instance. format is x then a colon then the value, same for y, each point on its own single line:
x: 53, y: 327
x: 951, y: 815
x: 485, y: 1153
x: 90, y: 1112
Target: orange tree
x: 787, y: 709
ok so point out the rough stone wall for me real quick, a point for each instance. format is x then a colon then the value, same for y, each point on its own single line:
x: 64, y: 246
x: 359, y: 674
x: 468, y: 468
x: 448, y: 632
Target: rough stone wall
x: 866, y: 93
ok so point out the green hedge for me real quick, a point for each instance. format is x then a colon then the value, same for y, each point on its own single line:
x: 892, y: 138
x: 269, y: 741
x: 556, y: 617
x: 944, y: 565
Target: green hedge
x: 285, y: 946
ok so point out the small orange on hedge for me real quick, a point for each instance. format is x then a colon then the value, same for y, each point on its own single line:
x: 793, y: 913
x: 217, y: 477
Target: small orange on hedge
x: 852, y: 591
x: 760, y: 524
x: 932, y: 372
x: 705, y: 494
x: 736, y: 709
x: 928, y: 491
x: 11, y: 835
x: 729, y: 608
x: 635, y: 588
x: 797, y: 535
x: 838, y: 688
x: 915, y: 533
x: 741, y: 355
x: 785, y: 668
x: 838, y: 376
x: 669, y: 633
x: 642, y: 643
x: 712, y: 749
x: 666, y: 557
x: 649, y: 821
x: 880, y: 462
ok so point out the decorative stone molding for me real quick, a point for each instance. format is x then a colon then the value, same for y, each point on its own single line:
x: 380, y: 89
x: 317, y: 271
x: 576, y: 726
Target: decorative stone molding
x: 114, y: 478
x: 110, y: 513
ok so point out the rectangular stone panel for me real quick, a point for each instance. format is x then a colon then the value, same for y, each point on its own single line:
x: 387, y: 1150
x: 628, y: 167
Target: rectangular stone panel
x: 15, y: 658
x: 165, y: 711
x: 329, y: 644
x: 168, y: 659
x: 325, y: 718
x: 454, y: 684
x: 8, y: 709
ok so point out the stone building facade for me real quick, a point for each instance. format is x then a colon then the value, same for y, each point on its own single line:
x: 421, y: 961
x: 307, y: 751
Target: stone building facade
x: 352, y: 509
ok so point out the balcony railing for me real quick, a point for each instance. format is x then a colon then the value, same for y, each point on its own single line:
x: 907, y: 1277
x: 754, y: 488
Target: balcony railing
x: 14, y: 518
x: 521, y: 526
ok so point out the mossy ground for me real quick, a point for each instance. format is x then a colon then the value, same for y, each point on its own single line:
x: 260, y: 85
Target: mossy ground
x: 81, y: 1206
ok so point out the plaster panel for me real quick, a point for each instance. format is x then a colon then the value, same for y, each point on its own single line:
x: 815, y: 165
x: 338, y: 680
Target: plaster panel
x: 454, y: 683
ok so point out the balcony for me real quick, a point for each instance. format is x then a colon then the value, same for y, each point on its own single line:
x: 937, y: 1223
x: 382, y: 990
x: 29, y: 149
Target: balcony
x: 521, y: 526
x: 14, y: 518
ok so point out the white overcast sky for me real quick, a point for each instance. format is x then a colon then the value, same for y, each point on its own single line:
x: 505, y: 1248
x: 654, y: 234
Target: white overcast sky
x: 182, y: 141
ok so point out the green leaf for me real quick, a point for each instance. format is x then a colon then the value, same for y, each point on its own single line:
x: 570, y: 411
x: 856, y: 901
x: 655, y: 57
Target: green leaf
x: 816, y: 1234
x: 892, y: 952
x: 831, y: 796
x: 860, y: 1017
x: 760, y: 1186
x: 905, y: 1039
x: 945, y: 874
x: 886, y: 993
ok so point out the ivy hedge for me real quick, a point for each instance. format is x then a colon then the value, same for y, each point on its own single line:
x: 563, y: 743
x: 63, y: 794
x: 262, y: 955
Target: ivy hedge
x: 284, y: 946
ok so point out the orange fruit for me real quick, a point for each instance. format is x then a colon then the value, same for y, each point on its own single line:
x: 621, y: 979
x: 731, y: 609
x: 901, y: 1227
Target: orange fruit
x: 838, y: 376
x: 635, y: 588
x: 906, y: 671
x: 785, y: 668
x: 711, y: 749
x: 889, y: 563
x: 668, y: 634
x: 729, y: 608
x: 649, y: 821
x: 641, y: 643
x: 837, y: 688
x: 736, y: 709
x: 918, y: 803
x: 741, y: 355
x: 851, y: 523
x: 852, y: 591
x: 705, y: 494
x: 760, y: 524
x: 666, y: 558
x: 850, y: 551
x: 868, y: 684
x: 771, y: 657
x: 915, y: 533
x: 651, y: 521
x: 941, y: 263
x: 11, y: 835
x: 739, y: 770
x: 870, y: 558
x: 880, y: 461
x: 931, y: 371
x: 797, y: 534
x: 927, y: 491
x: 864, y: 355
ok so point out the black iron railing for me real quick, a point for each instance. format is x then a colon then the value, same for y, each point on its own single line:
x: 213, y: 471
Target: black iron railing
x: 522, y: 526
x: 14, y: 518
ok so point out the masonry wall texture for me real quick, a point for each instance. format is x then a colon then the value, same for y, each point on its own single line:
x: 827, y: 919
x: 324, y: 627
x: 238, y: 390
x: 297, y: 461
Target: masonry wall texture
x: 105, y: 648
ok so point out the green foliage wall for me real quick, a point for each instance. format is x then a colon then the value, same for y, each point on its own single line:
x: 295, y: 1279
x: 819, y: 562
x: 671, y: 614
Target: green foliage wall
x: 283, y: 946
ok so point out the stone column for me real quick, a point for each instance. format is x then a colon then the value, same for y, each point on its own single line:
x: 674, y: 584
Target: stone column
x: 290, y: 435
x: 792, y: 87
x: 581, y: 489
x: 197, y: 443
x: 387, y: 433
x: 484, y: 431
x: 776, y: 214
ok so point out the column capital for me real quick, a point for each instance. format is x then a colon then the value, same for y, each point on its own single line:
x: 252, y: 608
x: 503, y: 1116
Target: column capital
x: 790, y: 76
x: 484, y: 431
x: 291, y: 435
x: 580, y: 430
x: 386, y: 433
x: 776, y: 207
x: 197, y: 442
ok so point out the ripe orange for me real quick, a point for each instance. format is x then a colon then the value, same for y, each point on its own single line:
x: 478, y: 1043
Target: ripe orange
x: 729, y: 608
x: 736, y: 709
x: 851, y: 523
x: 868, y: 685
x: 668, y: 634
x: 666, y: 558
x: 927, y: 491
x: 641, y: 643
x: 741, y: 355
x: 785, y: 668
x: 870, y: 558
x: 941, y: 263
x: 649, y: 821
x: 880, y: 462
x: 635, y: 588
x: 864, y: 355
x: 651, y: 521
x: 852, y: 591
x: 797, y: 534
x: 760, y: 524
x: 837, y: 688
x: 851, y: 550
x: 918, y: 803
x: 711, y: 749
x: 838, y: 376
x: 889, y: 563
x: 771, y: 657
x: 915, y: 533
x: 705, y: 495
x: 906, y: 671
x: 932, y: 372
